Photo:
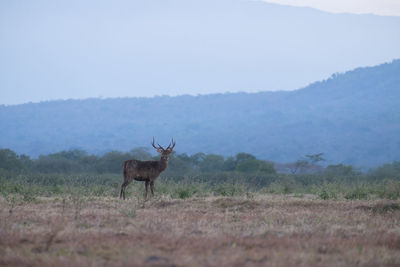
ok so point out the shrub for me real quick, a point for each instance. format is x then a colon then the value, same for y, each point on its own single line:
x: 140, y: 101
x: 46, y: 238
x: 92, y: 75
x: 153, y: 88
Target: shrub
x: 359, y: 192
x: 328, y: 191
x: 390, y: 190
x: 184, y: 193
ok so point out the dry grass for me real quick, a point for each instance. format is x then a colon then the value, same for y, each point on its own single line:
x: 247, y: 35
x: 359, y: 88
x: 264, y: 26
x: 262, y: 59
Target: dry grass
x: 264, y: 230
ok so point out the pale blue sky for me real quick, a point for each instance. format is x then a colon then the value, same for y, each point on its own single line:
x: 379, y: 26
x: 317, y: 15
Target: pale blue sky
x: 79, y: 49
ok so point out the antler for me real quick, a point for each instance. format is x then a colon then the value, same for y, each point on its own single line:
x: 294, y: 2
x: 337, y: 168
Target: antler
x: 159, y: 147
x: 173, y: 144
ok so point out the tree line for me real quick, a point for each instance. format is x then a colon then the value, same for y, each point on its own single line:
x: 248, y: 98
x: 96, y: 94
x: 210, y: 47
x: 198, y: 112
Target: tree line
x: 184, y: 165
x: 79, y: 161
x: 72, y: 171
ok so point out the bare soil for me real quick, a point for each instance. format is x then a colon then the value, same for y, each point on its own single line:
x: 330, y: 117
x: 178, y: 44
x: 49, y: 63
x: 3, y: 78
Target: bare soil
x: 266, y: 230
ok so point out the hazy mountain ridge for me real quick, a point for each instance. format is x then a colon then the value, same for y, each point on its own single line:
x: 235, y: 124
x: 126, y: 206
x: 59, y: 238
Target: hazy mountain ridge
x: 353, y: 118
x: 83, y: 49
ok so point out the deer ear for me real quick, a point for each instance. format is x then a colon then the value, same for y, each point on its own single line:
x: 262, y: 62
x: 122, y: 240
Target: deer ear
x: 159, y: 150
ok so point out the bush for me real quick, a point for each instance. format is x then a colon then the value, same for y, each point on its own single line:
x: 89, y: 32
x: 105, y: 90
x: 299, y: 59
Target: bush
x: 328, y: 191
x: 359, y: 192
x: 184, y: 193
x: 390, y: 190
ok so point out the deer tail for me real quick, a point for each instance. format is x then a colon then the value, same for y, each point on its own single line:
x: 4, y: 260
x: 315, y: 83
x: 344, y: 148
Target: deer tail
x: 124, y: 170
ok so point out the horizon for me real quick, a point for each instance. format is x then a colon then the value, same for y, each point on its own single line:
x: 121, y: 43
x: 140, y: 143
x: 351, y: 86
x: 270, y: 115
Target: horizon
x: 196, y: 95
x: 351, y: 117
x: 286, y: 121
x: 199, y: 94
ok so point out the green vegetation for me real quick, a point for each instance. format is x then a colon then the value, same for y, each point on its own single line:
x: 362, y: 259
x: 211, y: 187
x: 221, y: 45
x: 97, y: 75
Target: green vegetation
x: 352, y: 117
x: 75, y: 173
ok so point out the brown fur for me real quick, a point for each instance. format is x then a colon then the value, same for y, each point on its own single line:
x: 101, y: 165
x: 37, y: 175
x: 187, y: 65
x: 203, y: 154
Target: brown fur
x: 145, y: 171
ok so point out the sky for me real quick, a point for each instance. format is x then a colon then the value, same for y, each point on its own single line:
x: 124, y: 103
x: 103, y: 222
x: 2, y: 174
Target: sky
x: 51, y: 50
x: 378, y: 7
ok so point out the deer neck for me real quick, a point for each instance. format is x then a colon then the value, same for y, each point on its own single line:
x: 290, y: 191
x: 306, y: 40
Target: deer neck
x: 163, y: 163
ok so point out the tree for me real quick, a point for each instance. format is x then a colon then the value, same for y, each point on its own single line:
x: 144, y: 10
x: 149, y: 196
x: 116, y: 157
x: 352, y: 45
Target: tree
x: 112, y: 162
x: 53, y: 164
x: 306, y: 163
x: 297, y: 166
x: 267, y: 167
x: 244, y: 156
x: 248, y: 165
x: 212, y: 162
x: 141, y: 153
x: 314, y: 158
x: 387, y: 171
x: 67, y: 161
x: 340, y: 170
x: 229, y: 164
x: 9, y: 160
x: 197, y: 158
x: 178, y: 165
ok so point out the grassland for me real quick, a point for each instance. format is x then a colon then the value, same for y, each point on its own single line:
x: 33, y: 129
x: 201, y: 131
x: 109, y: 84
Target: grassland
x: 248, y: 230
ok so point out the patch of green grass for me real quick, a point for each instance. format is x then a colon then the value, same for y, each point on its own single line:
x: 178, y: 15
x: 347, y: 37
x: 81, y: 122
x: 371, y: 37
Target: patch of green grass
x: 328, y: 191
x: 28, y: 187
x: 386, y: 207
x: 229, y: 190
x: 184, y: 190
x: 389, y: 190
x: 358, y: 192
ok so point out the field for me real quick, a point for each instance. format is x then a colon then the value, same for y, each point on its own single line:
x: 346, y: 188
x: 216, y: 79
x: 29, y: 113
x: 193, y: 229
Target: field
x: 248, y: 230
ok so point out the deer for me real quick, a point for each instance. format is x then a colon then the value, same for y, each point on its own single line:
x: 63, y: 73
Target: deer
x: 146, y: 171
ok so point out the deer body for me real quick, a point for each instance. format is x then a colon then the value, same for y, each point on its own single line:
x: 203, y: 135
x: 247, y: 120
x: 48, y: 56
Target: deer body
x: 145, y: 171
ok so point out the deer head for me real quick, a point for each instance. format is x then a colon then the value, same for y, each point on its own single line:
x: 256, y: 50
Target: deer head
x: 164, y: 152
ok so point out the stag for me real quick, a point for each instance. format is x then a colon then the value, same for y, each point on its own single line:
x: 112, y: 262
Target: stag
x: 146, y: 171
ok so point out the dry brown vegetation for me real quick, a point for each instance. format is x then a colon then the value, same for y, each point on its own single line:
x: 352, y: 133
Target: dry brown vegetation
x: 271, y: 230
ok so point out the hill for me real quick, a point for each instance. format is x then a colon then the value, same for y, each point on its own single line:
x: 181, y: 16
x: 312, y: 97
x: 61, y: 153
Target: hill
x: 79, y: 49
x: 353, y: 118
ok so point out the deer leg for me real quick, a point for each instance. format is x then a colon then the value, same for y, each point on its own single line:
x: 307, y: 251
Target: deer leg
x: 125, y: 185
x: 147, y: 189
x: 152, y: 188
x: 123, y: 188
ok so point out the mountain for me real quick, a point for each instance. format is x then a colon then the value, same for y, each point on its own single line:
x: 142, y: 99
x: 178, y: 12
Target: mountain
x: 352, y: 117
x: 80, y: 49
